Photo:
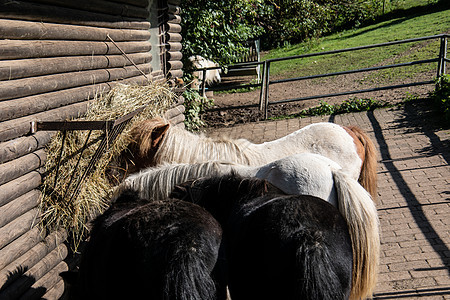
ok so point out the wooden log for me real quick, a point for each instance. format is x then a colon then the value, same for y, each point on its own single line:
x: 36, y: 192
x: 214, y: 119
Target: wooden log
x: 173, y: 37
x: 19, y: 167
x: 32, y: 256
x: 180, y: 100
x: 49, y: 262
x: 46, y: 282
x: 28, y: 30
x: 18, y: 187
x: 21, y: 245
x: 15, y: 69
x: 174, y: 55
x: 36, y: 85
x: 139, y: 80
x: 17, y: 49
x: 173, y: 112
x: 175, y: 73
x: 177, y: 120
x: 21, y: 126
x: 56, y: 292
x: 17, y: 227
x: 157, y: 73
x: 101, y: 6
x: 174, y: 46
x: 18, y: 127
x: 174, y: 19
x: 140, y: 3
x: 174, y: 65
x: 18, y: 207
x: 21, y: 10
x: 173, y: 9
x: 180, y: 125
x: 174, y: 28
x: 19, y: 147
x: 20, y: 107
x: 22, y: 284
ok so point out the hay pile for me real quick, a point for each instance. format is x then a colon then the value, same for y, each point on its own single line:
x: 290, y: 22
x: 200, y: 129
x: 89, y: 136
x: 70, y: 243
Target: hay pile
x: 58, y: 207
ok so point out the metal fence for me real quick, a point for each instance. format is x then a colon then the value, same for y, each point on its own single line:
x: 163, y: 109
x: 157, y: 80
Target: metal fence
x: 252, y: 53
x: 265, y: 83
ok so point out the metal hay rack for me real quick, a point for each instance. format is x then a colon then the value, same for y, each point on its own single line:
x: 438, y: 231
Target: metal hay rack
x: 111, y: 130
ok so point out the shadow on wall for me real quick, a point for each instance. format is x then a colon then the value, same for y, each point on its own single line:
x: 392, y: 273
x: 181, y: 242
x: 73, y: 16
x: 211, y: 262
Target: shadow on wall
x: 20, y: 285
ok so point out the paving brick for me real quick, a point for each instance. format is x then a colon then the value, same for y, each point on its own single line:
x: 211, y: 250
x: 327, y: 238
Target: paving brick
x: 442, y: 280
x: 422, y: 255
x: 410, y: 265
x: 385, y: 261
x: 429, y: 273
x: 397, y: 239
x: 399, y: 275
x: 438, y: 263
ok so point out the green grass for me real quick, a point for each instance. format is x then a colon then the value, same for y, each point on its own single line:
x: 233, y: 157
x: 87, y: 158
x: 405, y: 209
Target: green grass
x: 427, y: 50
x: 406, y: 4
x: 425, y: 21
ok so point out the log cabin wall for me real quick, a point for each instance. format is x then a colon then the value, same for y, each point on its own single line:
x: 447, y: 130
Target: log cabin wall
x: 54, y: 56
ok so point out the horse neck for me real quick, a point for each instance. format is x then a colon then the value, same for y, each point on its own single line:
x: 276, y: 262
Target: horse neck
x: 158, y: 182
x: 182, y: 146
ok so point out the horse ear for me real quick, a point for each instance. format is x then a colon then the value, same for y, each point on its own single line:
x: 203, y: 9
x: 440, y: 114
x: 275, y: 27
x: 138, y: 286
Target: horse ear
x: 187, y: 191
x: 158, y: 134
x: 180, y: 192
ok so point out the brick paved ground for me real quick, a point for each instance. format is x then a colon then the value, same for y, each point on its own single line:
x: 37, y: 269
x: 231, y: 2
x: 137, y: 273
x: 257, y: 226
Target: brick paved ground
x: 414, y: 194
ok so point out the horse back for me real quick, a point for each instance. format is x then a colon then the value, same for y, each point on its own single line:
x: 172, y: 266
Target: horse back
x: 289, y: 247
x: 162, y: 249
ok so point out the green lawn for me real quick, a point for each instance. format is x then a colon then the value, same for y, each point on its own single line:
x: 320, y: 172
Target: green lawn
x: 425, y: 21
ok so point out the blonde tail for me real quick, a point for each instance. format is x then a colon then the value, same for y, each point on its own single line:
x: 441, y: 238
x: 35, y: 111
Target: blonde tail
x: 358, y: 209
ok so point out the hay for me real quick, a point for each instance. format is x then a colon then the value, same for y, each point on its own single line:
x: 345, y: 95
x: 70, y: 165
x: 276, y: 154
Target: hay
x: 58, y: 207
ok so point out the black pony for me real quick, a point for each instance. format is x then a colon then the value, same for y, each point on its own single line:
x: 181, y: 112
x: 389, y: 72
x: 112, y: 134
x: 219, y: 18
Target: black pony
x: 154, y: 250
x: 277, y: 246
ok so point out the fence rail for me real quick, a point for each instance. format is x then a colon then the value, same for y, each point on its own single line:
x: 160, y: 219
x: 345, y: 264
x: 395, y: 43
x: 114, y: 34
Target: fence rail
x: 265, y: 83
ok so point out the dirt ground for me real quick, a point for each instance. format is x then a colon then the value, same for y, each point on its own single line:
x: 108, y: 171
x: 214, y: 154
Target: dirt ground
x: 305, y: 88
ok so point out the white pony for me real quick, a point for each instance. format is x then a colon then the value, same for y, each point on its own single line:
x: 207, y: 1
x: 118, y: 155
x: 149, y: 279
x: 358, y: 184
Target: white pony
x: 212, y: 76
x: 303, y: 174
x: 350, y: 147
